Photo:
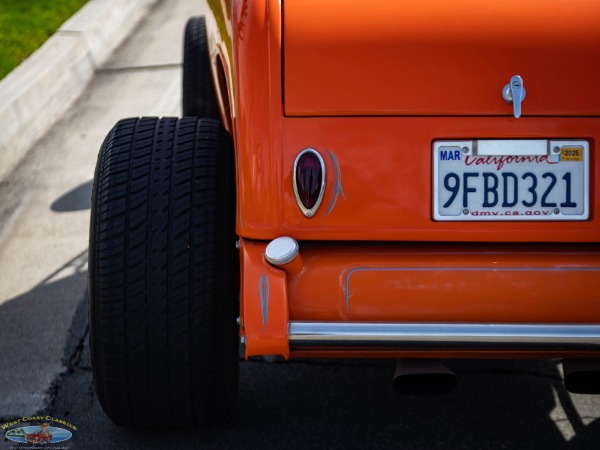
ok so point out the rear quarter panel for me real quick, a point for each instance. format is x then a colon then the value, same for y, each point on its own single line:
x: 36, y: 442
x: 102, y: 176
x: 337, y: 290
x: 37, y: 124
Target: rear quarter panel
x: 383, y: 165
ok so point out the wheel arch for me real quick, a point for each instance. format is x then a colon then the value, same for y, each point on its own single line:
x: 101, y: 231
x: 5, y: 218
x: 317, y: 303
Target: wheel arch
x: 220, y: 32
x: 223, y: 91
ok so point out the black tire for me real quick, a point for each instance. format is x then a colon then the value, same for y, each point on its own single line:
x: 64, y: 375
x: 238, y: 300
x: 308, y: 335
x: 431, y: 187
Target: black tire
x: 198, y: 96
x: 162, y: 264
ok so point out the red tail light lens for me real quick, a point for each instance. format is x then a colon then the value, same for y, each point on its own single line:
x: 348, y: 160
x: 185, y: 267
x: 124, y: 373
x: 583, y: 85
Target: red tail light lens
x: 309, y: 181
x: 309, y: 178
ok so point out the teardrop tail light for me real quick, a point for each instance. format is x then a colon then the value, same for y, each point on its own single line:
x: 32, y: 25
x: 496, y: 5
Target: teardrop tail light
x: 309, y: 181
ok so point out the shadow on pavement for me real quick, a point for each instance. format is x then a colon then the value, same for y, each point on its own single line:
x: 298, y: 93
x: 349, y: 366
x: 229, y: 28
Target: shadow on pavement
x: 33, y: 330
x: 77, y: 199
x: 350, y: 405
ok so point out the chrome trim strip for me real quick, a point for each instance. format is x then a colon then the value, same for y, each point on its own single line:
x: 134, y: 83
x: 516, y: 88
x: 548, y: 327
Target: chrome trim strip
x: 444, y: 335
x: 308, y: 213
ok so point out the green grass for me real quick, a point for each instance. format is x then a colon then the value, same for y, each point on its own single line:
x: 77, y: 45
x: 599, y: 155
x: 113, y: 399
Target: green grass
x: 26, y: 24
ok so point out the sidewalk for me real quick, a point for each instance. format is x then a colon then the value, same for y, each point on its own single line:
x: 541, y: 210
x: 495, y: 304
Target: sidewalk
x: 45, y: 209
x: 36, y: 94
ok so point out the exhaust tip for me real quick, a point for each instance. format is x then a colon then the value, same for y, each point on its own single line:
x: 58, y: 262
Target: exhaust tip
x: 416, y: 377
x: 582, y: 376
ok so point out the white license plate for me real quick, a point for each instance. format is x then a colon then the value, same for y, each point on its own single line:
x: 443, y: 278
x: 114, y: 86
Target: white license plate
x: 511, y: 180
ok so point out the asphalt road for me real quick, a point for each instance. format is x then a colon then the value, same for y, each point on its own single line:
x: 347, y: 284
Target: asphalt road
x: 334, y: 404
x: 350, y: 404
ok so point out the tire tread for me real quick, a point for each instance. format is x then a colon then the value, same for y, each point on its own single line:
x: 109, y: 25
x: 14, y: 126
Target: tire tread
x: 162, y: 306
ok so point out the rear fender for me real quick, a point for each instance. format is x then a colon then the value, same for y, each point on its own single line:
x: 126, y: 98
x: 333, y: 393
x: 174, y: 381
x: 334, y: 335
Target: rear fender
x: 264, y: 304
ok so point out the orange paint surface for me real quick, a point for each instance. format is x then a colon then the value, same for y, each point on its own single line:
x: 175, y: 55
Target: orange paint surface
x: 371, y: 86
x: 432, y: 57
x: 264, y: 304
x: 513, y: 283
x: 386, y: 167
x: 385, y: 163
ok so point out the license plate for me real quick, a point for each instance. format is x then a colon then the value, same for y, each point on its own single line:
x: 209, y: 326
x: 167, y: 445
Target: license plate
x: 511, y: 180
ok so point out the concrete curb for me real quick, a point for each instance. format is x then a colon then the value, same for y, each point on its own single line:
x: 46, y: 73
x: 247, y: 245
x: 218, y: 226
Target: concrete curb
x: 35, y: 95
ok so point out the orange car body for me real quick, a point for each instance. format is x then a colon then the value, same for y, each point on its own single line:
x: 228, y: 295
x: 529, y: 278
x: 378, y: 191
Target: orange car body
x: 372, y: 86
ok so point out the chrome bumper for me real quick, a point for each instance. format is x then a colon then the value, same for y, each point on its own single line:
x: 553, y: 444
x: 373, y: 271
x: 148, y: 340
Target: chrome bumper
x: 444, y: 335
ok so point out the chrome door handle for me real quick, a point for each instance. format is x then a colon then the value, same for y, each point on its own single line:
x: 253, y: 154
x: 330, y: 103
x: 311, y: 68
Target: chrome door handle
x: 515, y: 93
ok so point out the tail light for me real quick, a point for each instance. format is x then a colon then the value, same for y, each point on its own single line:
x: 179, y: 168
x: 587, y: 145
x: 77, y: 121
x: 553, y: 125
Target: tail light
x: 309, y: 181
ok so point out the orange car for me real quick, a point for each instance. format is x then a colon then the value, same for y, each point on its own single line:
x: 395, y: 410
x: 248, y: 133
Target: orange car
x: 383, y: 179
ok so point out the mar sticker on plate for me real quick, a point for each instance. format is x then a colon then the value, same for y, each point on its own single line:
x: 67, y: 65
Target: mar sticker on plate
x: 511, y: 180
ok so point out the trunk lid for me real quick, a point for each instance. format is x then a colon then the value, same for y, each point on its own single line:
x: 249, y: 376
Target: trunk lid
x: 390, y: 57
